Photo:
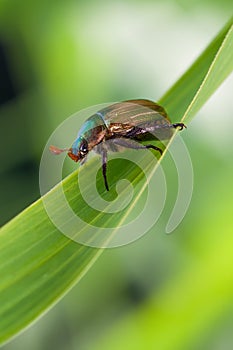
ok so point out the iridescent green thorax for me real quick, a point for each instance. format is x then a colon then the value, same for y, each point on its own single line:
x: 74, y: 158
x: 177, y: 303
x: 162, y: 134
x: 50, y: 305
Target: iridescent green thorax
x: 93, y: 131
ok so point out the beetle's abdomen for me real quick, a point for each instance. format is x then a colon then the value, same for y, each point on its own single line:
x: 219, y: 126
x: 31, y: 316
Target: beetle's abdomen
x: 119, y: 130
x: 161, y: 130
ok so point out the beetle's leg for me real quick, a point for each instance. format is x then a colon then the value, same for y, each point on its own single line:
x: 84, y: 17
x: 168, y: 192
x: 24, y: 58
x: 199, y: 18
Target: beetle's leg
x: 104, y: 168
x: 155, y: 148
x: 181, y: 126
x: 128, y: 143
x: 82, y: 161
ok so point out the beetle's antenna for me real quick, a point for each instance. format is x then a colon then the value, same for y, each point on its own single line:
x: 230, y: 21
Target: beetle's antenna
x: 56, y: 150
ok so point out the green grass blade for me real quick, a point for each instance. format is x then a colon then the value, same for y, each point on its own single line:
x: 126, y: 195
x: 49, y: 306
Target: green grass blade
x: 202, y: 79
x: 38, y: 264
x: 187, y: 309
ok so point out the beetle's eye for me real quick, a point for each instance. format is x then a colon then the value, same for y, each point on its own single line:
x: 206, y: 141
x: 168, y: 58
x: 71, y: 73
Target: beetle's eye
x: 83, y: 148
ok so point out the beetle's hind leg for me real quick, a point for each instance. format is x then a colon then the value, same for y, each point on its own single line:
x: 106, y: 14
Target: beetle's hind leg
x: 181, y: 126
x: 104, y: 168
x: 129, y: 143
x: 155, y: 148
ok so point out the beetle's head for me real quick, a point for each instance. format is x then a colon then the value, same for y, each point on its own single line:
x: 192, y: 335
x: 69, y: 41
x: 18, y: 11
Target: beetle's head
x: 77, y: 152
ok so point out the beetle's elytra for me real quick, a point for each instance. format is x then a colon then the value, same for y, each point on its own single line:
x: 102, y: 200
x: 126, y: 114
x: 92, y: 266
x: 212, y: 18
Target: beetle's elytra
x: 123, y: 124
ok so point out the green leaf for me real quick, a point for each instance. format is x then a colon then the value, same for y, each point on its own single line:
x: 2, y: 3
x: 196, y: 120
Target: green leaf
x: 38, y: 264
x: 190, y: 308
x: 202, y: 79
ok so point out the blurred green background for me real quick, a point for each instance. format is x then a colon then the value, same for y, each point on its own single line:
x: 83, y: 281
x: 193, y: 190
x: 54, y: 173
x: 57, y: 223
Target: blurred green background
x: 58, y: 57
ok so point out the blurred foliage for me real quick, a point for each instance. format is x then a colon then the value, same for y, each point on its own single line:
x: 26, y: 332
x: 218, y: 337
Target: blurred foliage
x: 58, y: 57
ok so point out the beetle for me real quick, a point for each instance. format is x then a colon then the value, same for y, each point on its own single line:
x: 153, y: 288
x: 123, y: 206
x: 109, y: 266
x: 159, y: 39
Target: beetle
x: 122, y: 124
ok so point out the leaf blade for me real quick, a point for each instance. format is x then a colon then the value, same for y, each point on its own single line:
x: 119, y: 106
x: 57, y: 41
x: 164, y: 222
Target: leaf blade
x: 186, y: 92
x: 38, y: 264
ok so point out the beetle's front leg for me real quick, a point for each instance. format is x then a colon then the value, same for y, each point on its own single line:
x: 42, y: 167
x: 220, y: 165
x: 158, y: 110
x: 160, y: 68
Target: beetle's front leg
x: 104, y: 167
